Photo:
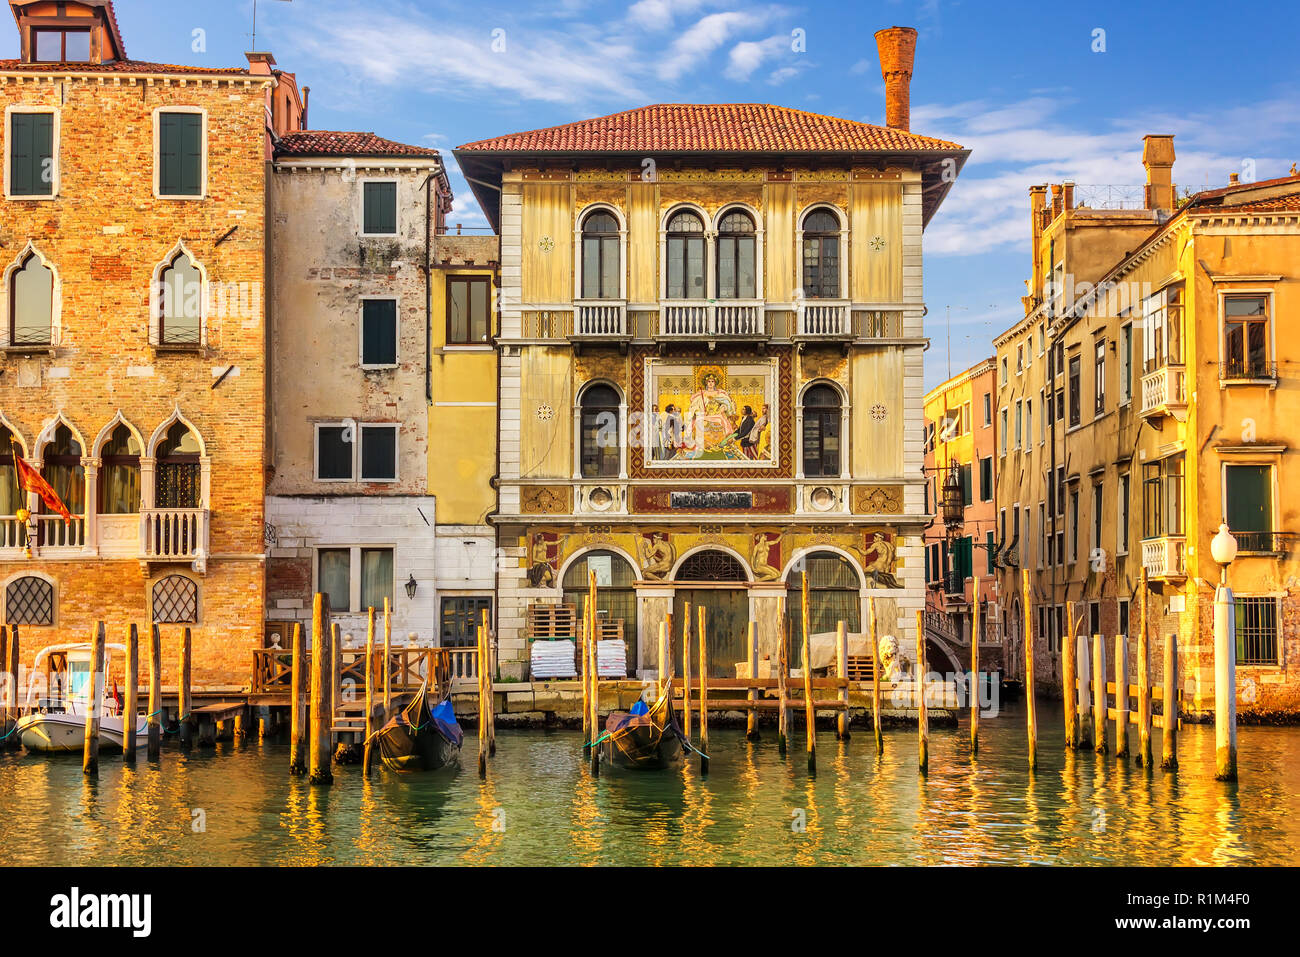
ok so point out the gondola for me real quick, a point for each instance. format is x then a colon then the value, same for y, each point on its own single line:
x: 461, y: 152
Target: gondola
x: 422, y: 736
x: 644, y: 740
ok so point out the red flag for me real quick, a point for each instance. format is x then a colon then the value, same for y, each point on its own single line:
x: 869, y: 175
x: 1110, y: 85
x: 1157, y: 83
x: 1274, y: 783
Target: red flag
x: 29, y: 480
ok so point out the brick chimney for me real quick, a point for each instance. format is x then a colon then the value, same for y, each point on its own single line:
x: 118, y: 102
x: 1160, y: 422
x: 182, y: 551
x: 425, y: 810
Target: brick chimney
x: 1067, y: 190
x: 897, y: 49
x: 1158, y: 158
x: 1057, y: 202
x: 260, y: 64
x: 1037, y: 221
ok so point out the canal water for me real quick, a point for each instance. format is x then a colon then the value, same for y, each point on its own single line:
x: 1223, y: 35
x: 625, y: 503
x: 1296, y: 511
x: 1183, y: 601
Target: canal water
x: 237, y: 805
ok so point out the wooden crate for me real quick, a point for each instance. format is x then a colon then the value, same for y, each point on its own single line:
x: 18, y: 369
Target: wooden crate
x: 861, y: 668
x: 551, y: 622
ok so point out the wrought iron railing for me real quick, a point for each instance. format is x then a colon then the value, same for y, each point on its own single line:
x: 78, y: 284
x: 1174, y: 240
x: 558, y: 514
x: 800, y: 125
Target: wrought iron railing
x: 1266, y: 543
x: 1246, y: 369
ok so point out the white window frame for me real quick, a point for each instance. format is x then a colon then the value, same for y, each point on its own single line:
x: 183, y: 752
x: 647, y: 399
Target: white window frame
x: 1234, y: 292
x: 54, y: 149
x: 1003, y: 443
x: 315, y: 449
x: 1123, y: 511
x: 358, y: 437
x: 354, y: 571
x: 622, y: 249
x: 845, y: 251
x: 157, y: 158
x: 361, y: 332
x: 1125, y: 369
x: 361, y: 206
x: 397, y: 452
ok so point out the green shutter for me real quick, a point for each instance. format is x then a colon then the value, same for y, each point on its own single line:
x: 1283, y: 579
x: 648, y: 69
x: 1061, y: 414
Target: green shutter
x: 180, y: 154
x: 31, y: 148
x: 168, y: 154
x: 1250, y: 498
x: 988, y: 547
x: 379, y: 212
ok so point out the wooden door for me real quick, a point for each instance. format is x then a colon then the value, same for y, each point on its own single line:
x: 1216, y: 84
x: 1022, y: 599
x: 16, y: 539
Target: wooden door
x: 727, y: 611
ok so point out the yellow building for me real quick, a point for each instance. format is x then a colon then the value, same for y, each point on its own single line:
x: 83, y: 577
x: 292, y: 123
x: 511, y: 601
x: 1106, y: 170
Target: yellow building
x: 710, y: 366
x: 1173, y: 397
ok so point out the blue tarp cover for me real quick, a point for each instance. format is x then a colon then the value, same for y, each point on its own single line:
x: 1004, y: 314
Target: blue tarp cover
x: 444, y: 718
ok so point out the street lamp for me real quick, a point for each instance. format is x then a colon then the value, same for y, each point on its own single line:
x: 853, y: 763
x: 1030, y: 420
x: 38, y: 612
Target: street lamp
x: 410, y: 587
x: 1223, y: 549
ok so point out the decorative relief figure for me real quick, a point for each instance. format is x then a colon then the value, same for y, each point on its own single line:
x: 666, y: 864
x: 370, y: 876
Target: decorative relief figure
x: 889, y: 663
x: 878, y: 560
x: 544, y: 500
x: 543, y: 556
x: 765, y: 565
x: 656, y: 554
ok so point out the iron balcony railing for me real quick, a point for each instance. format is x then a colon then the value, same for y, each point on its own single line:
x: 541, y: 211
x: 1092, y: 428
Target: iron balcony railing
x: 1233, y: 369
x: 1266, y: 543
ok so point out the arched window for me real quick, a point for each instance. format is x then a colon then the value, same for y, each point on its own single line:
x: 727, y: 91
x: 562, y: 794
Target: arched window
x: 615, y: 592
x: 29, y: 601
x: 737, y: 258
x: 600, y: 256
x: 180, y: 303
x: 685, y: 256
x: 821, y: 255
x: 833, y: 595
x: 31, y: 303
x: 119, y: 473
x: 178, y: 469
x: 11, y: 497
x: 175, y: 600
x: 821, y: 432
x: 600, y: 456
x: 711, y: 566
x: 63, y: 470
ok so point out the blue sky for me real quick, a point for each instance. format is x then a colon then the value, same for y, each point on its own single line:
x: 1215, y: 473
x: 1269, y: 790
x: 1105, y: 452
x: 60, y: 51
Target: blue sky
x: 1019, y: 83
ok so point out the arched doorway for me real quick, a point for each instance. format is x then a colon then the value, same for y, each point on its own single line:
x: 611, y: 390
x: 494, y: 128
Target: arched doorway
x: 615, y: 592
x: 834, y: 595
x: 716, y: 581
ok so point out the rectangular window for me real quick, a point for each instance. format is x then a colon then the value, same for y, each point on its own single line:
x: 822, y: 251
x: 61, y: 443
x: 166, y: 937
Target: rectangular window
x: 967, y: 493
x: 1099, y: 376
x: 1026, y: 556
x: 1245, y: 338
x: 31, y: 154
x: 1126, y: 364
x: 1060, y: 404
x: 379, y: 453
x: 461, y: 616
x: 986, y: 479
x: 1257, y: 626
x: 379, y: 332
x: 1075, y: 384
x: 989, y: 549
x: 1074, y: 525
x: 61, y: 46
x: 379, y: 209
x: 1248, y: 505
x: 334, y: 577
x: 334, y: 453
x: 180, y: 154
x: 1029, y: 422
x: 376, y: 577
x: 1019, y: 422
x: 1003, y: 443
x: 468, y: 311
x: 1123, y: 511
x: 1004, y: 370
x: 988, y: 409
x: 1020, y: 359
x: 1045, y: 417
x: 1096, y: 515
x: 1094, y: 618
x: 1123, y: 616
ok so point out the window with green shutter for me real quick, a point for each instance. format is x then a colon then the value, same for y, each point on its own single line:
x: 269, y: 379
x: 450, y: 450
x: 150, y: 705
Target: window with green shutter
x: 31, y: 154
x: 180, y: 154
x: 379, y: 209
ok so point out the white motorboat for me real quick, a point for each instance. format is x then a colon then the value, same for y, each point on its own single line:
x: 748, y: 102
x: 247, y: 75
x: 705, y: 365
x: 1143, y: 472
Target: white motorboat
x: 56, y: 720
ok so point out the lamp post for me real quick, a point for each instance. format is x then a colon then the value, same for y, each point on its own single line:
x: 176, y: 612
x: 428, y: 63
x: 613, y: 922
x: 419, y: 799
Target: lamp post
x: 1223, y: 549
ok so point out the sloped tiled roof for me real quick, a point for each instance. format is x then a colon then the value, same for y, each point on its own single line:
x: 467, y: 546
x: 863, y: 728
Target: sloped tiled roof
x: 328, y: 143
x: 712, y: 128
x: 1240, y: 187
x: 121, y: 66
x: 1290, y: 202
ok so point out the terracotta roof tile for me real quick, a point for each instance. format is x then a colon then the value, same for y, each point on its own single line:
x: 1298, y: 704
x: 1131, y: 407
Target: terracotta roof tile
x: 1278, y: 203
x: 712, y: 128
x: 120, y: 66
x: 1239, y: 187
x: 327, y: 143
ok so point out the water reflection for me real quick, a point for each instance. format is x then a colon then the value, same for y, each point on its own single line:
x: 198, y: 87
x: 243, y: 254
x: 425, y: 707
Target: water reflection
x: 540, y: 805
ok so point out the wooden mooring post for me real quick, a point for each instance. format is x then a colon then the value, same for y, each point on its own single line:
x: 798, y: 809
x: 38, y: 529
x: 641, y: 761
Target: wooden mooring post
x: 322, y: 655
x: 663, y: 656
x: 131, y: 694
x: 388, y: 663
x: 686, y: 668
x: 1169, y: 720
x: 8, y: 689
x: 922, y: 713
x: 1031, y: 702
x: 10, y: 664
x: 184, y: 708
x: 704, y: 694
x: 1099, y: 694
x: 298, y: 701
x: 584, y: 659
x: 751, y: 719
x: 1121, y: 696
x: 1069, y: 683
x: 782, y: 678
x: 875, y: 676
x: 1083, y: 668
x: 370, y: 692
x: 973, y: 686
x: 809, y: 703
x: 1144, y: 683
x: 842, y: 670
x: 480, y: 633
x: 491, y: 639
x: 593, y: 652
x: 94, y: 703
x: 155, y: 694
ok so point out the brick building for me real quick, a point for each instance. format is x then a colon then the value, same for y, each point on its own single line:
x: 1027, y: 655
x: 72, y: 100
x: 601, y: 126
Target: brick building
x: 133, y: 247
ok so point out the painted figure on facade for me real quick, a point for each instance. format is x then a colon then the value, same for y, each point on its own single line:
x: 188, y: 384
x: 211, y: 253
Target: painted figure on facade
x: 879, y: 560
x: 541, y: 556
x: 656, y: 553
x: 709, y: 414
x: 712, y: 413
x: 669, y: 436
x: 765, y: 566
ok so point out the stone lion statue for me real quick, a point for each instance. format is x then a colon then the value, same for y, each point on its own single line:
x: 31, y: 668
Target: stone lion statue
x: 889, y: 663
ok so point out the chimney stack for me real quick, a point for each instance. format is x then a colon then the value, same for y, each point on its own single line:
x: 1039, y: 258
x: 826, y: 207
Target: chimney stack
x: 260, y: 64
x: 1037, y: 221
x: 897, y: 49
x: 1158, y: 158
x: 1057, y: 201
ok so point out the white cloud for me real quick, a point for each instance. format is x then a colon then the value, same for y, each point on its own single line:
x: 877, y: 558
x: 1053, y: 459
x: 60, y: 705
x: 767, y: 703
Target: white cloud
x: 701, y: 39
x: 748, y: 55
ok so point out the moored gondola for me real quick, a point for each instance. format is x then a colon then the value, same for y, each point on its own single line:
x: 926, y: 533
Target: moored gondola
x: 423, y: 736
x: 645, y: 738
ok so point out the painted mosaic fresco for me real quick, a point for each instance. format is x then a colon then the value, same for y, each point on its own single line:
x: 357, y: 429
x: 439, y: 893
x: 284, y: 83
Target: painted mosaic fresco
x: 712, y: 413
